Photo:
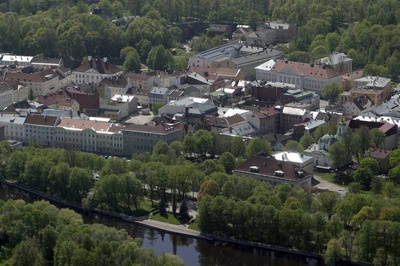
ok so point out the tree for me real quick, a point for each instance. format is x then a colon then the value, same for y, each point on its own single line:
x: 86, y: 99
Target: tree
x: 183, y: 210
x: 159, y: 58
x: 363, y: 139
x: 336, y: 152
x: 80, y: 181
x: 256, y: 145
x: 132, y: 62
x: 370, y: 164
x: 364, y: 177
x: 333, y: 252
x: 294, y: 146
x: 209, y: 187
x: 155, y: 107
x: 306, y: 140
x: 27, y: 253
x: 228, y: 161
x: 377, y: 138
x: 331, y: 91
x: 238, y: 147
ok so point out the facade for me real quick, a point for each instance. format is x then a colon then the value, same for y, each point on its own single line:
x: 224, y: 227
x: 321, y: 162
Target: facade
x: 19, y: 60
x: 338, y: 62
x: 90, y: 136
x: 59, y: 100
x: 142, y: 97
x: 158, y: 95
x: 40, y: 83
x: 143, y: 82
x: 124, y: 105
x: 294, y: 113
x: 304, y: 76
x: 268, y: 169
x: 276, y: 32
x: 40, y: 130
x: 230, y: 74
x: 115, y: 85
x: 14, y: 128
x: 6, y: 95
x: 265, y: 121
x: 40, y: 61
x: 377, y: 88
x: 95, y: 70
x: 142, y: 138
x: 357, y: 105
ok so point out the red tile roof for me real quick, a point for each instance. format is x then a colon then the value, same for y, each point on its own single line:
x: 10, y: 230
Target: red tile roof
x: 100, y: 66
x: 305, y: 69
x: 378, y: 154
x: 156, y: 128
x: 34, y: 77
x: 42, y: 120
x: 86, y: 101
x: 60, y: 98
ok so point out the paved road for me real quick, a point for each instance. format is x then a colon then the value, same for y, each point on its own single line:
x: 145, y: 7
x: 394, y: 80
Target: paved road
x: 171, y: 228
x: 326, y: 185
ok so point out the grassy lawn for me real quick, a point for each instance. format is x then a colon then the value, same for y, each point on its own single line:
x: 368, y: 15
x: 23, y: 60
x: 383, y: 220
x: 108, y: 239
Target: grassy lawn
x: 168, y: 218
x: 327, y: 176
x: 194, y: 225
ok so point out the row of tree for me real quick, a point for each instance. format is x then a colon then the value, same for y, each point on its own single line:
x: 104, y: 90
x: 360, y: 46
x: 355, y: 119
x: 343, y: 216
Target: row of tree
x: 40, y: 234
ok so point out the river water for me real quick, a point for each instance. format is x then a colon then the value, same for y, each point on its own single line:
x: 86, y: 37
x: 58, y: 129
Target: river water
x: 192, y: 251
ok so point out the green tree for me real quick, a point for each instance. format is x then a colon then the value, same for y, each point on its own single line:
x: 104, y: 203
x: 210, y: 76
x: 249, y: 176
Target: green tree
x: 228, y: 161
x: 336, y: 152
x: 293, y: 145
x: 377, y: 138
x: 306, y: 140
x: 238, y: 147
x: 27, y: 253
x: 333, y: 252
x: 80, y: 181
x: 132, y: 62
x: 155, y: 107
x: 256, y: 145
x: 209, y: 187
x: 331, y: 91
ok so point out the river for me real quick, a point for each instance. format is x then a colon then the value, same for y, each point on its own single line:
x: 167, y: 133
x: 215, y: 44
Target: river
x: 192, y: 251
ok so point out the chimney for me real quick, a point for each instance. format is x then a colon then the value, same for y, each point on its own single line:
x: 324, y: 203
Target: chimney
x: 104, y: 59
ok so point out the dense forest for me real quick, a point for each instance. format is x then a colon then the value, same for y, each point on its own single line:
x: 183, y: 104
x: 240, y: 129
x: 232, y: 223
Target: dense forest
x: 39, y: 234
x: 367, y: 31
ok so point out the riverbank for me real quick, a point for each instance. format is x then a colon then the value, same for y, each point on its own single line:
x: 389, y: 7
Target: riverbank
x: 181, y: 230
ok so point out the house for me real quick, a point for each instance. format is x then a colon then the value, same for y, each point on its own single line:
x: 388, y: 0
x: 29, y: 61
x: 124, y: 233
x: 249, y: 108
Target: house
x: 158, y: 95
x: 358, y: 105
x: 300, y: 160
x: 235, y: 55
x: 40, y: 61
x: 65, y: 77
x: 220, y: 29
x: 192, y: 109
x: 218, y: 123
x: 170, y: 79
x: 142, y: 97
x: 91, y: 136
x: 211, y: 82
x: 123, y: 105
x: 89, y: 103
x: 14, y: 128
x: 241, y: 32
x: 307, y: 127
x: 183, y: 92
x: 142, y: 138
x: 40, y: 83
x: 294, y: 113
x: 59, y: 100
x: 305, y: 97
x: 6, y: 95
x: 143, y: 82
x: 266, y: 120
x: 268, y: 169
x: 382, y: 157
x: 94, y: 70
x: 377, y: 88
x: 20, y: 91
x: 40, y: 129
x: 16, y: 60
x: 304, y: 76
x: 114, y: 85
x: 276, y: 32
x: 390, y: 130
x: 242, y: 129
x: 339, y: 62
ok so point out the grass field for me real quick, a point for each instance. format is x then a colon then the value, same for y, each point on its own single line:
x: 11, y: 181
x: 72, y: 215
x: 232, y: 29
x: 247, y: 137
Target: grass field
x: 194, y: 225
x: 168, y: 218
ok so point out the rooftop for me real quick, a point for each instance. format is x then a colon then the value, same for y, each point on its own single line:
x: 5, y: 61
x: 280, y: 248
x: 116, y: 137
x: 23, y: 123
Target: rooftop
x: 80, y: 124
x: 378, y: 153
x: 102, y: 66
x: 155, y: 128
x: 374, y: 81
x: 41, y: 120
x: 294, y: 157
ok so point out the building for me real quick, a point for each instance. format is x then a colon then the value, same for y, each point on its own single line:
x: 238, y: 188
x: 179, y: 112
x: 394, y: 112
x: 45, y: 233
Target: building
x: 115, y: 85
x: 142, y: 97
x: 40, y: 83
x: 89, y: 103
x: 218, y: 123
x: 142, y: 138
x: 241, y: 32
x: 94, y: 70
x: 377, y: 88
x: 40, y: 61
x: 40, y: 130
x: 220, y: 29
x: 300, y: 160
x: 294, y: 113
x: 143, y: 82
x: 6, y: 95
x: 382, y: 157
x: 90, y: 136
x: 183, y: 92
x: 305, y: 97
x: 266, y: 120
x: 14, y: 128
x: 276, y: 32
x: 235, y: 55
x: 338, y: 62
x: 357, y: 105
x: 16, y: 60
x: 20, y: 91
x: 121, y: 105
x: 158, y: 95
x: 242, y: 129
x: 304, y: 76
x: 268, y: 169
x: 59, y: 100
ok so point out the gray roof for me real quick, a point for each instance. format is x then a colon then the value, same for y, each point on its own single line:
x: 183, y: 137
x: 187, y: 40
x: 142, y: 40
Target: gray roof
x: 240, y: 129
x: 64, y: 113
x: 11, y: 118
x: 159, y: 90
x: 266, y: 55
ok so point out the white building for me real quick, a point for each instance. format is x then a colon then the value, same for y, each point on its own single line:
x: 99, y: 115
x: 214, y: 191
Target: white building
x: 20, y: 60
x: 302, y: 161
x: 6, y: 95
x: 95, y: 70
x: 91, y: 136
x: 304, y: 76
x: 40, y: 129
x: 14, y: 127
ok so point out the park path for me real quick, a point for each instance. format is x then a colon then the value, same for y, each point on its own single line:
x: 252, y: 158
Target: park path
x: 322, y: 184
x: 170, y: 228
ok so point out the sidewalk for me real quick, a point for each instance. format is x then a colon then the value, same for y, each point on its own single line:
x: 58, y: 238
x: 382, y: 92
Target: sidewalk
x: 171, y: 228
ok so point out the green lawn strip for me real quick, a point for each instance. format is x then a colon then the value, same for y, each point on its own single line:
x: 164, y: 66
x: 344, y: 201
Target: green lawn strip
x: 168, y: 218
x: 194, y: 225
